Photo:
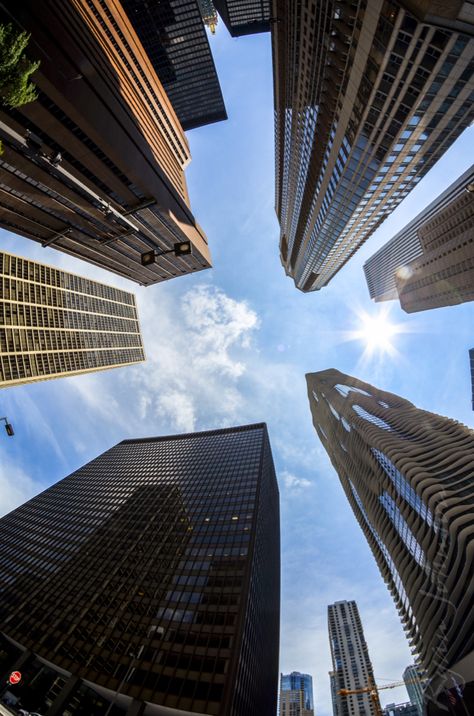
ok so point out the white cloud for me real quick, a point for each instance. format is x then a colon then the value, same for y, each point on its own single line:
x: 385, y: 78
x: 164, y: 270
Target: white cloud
x: 197, y: 349
x: 15, y: 487
x: 292, y: 482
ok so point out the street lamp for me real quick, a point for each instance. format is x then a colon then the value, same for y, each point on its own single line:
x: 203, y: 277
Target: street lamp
x: 182, y: 248
x: 8, y: 427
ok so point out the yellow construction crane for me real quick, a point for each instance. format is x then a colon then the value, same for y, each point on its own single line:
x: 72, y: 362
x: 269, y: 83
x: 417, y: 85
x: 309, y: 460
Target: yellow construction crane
x: 373, y: 690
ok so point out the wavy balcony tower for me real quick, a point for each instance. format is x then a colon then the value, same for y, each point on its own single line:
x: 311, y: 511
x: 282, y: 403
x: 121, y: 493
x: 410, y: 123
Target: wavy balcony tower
x: 368, y: 96
x: 407, y: 474
x: 95, y: 166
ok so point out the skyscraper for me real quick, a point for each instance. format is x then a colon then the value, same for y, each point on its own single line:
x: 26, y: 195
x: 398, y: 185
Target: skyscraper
x: 412, y: 676
x: 430, y: 262
x: 407, y: 474
x: 368, y: 96
x: 150, y: 575
x: 352, y: 668
x: 296, y: 694
x: 54, y: 323
x: 245, y: 17
x: 95, y: 166
x: 174, y: 37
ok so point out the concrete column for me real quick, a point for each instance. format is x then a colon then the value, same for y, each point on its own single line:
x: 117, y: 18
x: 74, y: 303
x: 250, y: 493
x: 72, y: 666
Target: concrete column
x: 63, y: 697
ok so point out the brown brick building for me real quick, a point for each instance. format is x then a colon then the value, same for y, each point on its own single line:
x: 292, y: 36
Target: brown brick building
x: 95, y: 166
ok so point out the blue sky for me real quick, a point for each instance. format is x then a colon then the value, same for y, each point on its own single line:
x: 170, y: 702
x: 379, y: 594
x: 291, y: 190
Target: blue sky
x: 232, y: 345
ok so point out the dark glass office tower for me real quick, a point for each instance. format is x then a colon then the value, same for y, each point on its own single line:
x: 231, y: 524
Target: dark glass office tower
x: 245, y: 17
x: 174, y: 37
x: 407, y: 474
x: 148, y: 577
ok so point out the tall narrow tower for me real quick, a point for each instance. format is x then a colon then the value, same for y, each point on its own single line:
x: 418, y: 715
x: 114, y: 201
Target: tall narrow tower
x: 54, y: 323
x: 407, y: 474
x: 149, y: 578
x: 352, y: 668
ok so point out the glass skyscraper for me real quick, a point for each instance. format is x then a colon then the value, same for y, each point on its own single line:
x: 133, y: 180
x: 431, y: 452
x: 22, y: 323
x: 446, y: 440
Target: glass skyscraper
x: 413, y: 678
x: 148, y: 577
x: 368, y: 96
x: 296, y: 694
x: 407, y: 474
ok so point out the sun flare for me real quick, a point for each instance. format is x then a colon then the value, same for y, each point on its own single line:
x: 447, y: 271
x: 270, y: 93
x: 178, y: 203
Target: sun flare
x: 376, y: 332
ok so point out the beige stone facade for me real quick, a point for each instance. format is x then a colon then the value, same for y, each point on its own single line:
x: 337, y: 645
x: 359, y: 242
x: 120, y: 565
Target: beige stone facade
x: 54, y: 324
x: 444, y: 274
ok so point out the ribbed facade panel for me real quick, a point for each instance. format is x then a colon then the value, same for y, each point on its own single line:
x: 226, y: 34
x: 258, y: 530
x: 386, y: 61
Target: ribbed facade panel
x: 394, y: 261
x: 444, y: 274
x: 95, y: 166
x: 54, y: 323
x: 407, y: 474
x: 367, y: 99
x: 154, y: 571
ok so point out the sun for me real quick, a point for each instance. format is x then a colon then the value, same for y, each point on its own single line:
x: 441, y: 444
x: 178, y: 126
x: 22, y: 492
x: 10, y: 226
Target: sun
x: 376, y: 332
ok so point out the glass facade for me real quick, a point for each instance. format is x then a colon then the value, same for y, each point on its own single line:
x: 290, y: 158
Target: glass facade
x: 429, y: 263
x: 173, y: 35
x: 154, y: 570
x: 54, y: 323
x: 245, y: 17
x: 413, y: 678
x: 366, y: 101
x: 296, y: 694
x: 407, y: 474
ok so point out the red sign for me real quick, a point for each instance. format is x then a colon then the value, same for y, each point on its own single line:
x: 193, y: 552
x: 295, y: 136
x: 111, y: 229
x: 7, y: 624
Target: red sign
x: 15, y: 677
